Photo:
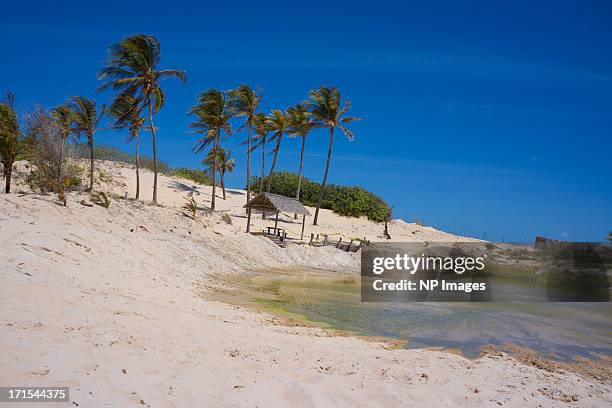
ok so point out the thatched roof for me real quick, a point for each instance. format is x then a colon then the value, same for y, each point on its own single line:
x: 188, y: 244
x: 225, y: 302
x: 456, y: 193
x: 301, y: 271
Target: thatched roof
x: 275, y: 202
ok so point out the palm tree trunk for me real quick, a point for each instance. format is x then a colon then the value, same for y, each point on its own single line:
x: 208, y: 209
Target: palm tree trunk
x: 297, y: 194
x: 154, y: 154
x: 8, y: 172
x: 222, y: 175
x: 276, y: 149
x: 263, y: 158
x: 214, y: 174
x: 91, y: 162
x: 248, y: 186
x: 331, y: 144
x: 137, y: 169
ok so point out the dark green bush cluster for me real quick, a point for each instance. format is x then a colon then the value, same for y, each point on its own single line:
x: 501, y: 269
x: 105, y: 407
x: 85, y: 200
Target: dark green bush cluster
x: 111, y: 153
x: 350, y: 201
x: 198, y: 176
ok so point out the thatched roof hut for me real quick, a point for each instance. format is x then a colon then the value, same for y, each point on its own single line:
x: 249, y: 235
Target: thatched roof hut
x: 275, y: 203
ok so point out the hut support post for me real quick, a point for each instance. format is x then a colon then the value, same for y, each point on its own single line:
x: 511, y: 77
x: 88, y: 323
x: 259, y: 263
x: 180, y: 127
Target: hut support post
x: 303, y: 223
x: 276, y: 222
x: 249, y: 220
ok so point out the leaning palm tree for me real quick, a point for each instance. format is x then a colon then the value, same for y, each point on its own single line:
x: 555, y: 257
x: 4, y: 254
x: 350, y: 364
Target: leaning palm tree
x: 260, y: 124
x: 85, y: 121
x: 326, y: 107
x: 300, y: 124
x: 62, y: 114
x: 10, y: 143
x: 212, y: 114
x: 127, y: 114
x: 278, y: 123
x: 245, y: 102
x: 132, y: 67
x: 223, y: 162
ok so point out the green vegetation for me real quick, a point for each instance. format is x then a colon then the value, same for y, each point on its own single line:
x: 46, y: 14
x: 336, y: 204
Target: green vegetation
x: 278, y: 123
x: 325, y: 105
x: 85, y: 121
x: 222, y: 161
x: 260, y: 124
x: 198, y: 176
x: 127, y: 114
x: 350, y: 201
x: 132, y: 69
x: 213, y: 113
x: 10, y: 143
x: 300, y: 124
x: 245, y: 101
x: 132, y: 73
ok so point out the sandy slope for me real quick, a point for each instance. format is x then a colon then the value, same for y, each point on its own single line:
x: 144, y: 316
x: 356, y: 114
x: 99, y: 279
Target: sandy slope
x: 106, y: 302
x: 172, y: 192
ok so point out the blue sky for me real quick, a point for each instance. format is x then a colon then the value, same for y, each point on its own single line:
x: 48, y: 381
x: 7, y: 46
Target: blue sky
x: 479, y: 117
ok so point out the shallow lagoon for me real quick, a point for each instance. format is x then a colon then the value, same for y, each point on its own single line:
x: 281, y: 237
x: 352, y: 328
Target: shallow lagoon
x: 555, y: 330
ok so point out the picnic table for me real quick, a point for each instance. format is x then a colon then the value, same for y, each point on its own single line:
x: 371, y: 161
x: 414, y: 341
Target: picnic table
x: 275, y: 231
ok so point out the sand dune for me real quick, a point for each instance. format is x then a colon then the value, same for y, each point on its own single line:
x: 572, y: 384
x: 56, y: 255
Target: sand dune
x: 108, y: 302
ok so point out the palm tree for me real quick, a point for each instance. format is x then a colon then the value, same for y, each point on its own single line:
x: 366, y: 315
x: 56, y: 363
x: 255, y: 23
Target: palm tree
x: 325, y: 106
x: 260, y: 124
x: 278, y: 123
x: 127, y: 114
x: 9, y: 140
x: 132, y: 67
x: 224, y: 163
x: 245, y: 102
x: 62, y: 114
x: 213, y: 114
x: 85, y: 119
x: 300, y: 124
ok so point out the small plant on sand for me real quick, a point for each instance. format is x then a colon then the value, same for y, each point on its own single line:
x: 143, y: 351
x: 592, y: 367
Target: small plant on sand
x: 105, y: 177
x: 61, y: 196
x: 100, y: 198
x: 227, y: 219
x: 62, y: 189
x: 190, y: 207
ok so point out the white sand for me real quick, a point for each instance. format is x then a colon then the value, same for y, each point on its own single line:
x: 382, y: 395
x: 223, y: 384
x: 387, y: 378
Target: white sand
x: 107, y: 302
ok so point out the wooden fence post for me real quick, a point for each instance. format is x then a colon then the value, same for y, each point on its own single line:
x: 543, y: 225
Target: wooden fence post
x: 249, y: 220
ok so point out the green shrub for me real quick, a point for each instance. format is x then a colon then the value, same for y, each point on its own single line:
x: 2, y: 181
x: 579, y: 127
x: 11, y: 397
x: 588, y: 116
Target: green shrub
x: 350, y: 201
x: 198, y: 176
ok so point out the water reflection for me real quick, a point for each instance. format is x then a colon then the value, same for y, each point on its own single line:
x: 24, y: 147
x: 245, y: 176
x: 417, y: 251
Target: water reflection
x: 556, y: 330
